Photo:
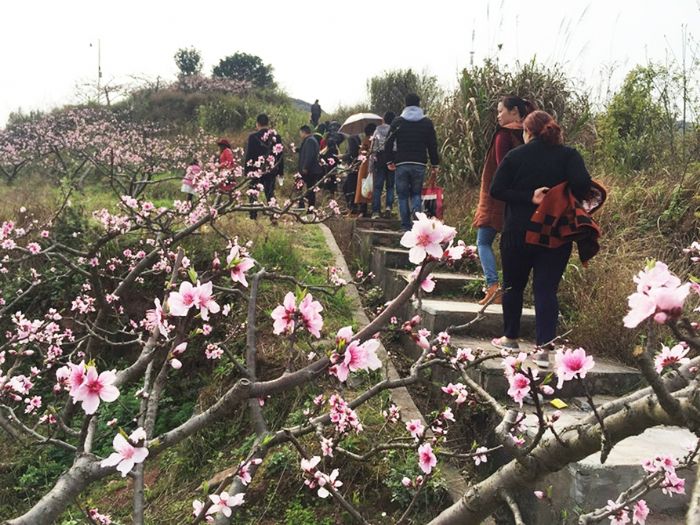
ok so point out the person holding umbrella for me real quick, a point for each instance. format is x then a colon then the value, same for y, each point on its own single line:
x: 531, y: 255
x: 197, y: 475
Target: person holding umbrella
x: 414, y: 136
x: 353, y: 126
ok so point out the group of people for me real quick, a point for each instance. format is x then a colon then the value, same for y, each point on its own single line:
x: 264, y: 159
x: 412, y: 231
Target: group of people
x: 531, y: 191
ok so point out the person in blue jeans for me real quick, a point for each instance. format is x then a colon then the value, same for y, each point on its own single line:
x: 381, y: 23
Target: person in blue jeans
x: 412, y: 139
x: 488, y: 219
x: 380, y: 171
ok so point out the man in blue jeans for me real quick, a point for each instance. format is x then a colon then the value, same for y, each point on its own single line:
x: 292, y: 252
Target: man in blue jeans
x: 414, y: 136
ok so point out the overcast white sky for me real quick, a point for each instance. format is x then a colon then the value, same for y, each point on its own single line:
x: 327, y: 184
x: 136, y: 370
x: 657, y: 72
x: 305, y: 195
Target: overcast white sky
x: 323, y: 49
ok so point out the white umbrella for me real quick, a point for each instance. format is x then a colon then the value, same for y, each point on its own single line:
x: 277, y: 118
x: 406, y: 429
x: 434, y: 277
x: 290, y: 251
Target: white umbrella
x: 355, y: 124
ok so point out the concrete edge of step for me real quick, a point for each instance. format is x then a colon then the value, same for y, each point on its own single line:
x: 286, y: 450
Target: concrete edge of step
x: 456, y: 484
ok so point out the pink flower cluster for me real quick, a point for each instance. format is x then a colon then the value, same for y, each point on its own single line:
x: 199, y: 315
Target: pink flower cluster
x: 87, y: 386
x: 426, y: 239
x: 356, y: 356
x: 316, y: 478
x: 671, y: 484
x: 200, y: 297
x: 659, y: 295
x: 342, y: 416
x: 620, y: 513
x: 223, y: 503
x: 287, y: 314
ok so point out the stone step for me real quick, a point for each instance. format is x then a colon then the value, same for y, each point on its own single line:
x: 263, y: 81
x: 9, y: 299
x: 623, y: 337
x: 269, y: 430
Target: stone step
x: 384, y: 259
x: 446, y: 283
x: 384, y: 224
x: 588, y: 484
x: 607, y: 378
x: 439, y: 314
x: 378, y: 237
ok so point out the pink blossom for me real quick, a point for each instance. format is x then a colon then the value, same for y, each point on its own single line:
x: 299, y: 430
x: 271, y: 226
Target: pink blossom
x: 519, y: 387
x: 224, y: 503
x: 323, y: 480
x: 358, y: 357
x: 427, y: 284
x: 539, y: 494
x: 180, y: 302
x: 310, y: 315
x: 457, y: 390
x: 284, y: 315
x: 156, y: 318
x: 672, y: 484
x: 424, y: 238
x: 513, y: 364
x: 640, y: 512
x: 327, y: 447
x: 76, y: 377
x: 572, y: 363
x: 448, y: 415
x: 619, y: 515
x: 415, y: 428
x: 205, y: 300
x: 198, y: 507
x: 426, y: 458
x: 480, y: 455
x: 309, y: 465
x: 126, y: 455
x: 239, y: 265
x: 670, y: 356
x: 393, y: 414
x: 95, y: 388
x: 659, y: 294
x: 344, y: 336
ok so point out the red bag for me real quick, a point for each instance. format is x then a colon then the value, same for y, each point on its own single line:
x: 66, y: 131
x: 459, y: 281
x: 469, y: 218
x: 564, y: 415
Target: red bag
x: 432, y: 197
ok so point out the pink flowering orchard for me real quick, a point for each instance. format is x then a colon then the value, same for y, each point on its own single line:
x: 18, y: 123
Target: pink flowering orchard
x: 141, y: 292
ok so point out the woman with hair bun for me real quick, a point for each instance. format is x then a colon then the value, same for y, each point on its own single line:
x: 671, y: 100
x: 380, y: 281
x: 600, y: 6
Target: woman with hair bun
x: 488, y: 219
x: 522, y: 181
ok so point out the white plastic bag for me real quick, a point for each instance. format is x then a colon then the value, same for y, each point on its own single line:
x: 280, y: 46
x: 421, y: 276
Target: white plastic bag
x: 367, y: 186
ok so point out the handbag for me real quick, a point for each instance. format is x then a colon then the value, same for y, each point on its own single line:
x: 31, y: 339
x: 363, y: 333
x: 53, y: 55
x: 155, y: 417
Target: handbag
x: 432, y: 198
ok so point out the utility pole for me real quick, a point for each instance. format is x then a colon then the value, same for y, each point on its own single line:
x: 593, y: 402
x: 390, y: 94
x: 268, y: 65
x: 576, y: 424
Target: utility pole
x: 99, y: 70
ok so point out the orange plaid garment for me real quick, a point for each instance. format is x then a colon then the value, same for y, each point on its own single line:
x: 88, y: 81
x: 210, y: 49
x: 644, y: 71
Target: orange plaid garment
x: 560, y: 218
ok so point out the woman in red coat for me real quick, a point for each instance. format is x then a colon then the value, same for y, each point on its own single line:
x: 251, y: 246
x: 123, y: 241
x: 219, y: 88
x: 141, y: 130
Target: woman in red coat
x: 489, y: 213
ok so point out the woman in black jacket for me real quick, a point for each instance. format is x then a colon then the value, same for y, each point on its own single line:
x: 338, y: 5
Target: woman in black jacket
x: 522, y: 180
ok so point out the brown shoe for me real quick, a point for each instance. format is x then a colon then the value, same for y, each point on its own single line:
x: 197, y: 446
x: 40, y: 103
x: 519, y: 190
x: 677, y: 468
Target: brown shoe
x: 492, y: 290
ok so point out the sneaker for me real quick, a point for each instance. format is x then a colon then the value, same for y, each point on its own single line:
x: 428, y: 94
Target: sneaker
x: 504, y: 343
x: 375, y: 216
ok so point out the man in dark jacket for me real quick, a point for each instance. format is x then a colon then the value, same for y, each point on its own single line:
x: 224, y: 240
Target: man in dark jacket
x: 309, y: 166
x: 264, y: 157
x: 414, y: 136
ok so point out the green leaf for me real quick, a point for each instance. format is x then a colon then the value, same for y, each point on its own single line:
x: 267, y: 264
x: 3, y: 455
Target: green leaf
x: 192, y: 275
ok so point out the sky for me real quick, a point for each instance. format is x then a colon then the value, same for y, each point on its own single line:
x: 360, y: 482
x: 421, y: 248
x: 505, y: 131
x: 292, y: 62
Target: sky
x: 326, y: 49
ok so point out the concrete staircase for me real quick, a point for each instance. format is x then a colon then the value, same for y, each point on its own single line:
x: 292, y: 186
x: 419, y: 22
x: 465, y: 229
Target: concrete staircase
x: 586, y: 484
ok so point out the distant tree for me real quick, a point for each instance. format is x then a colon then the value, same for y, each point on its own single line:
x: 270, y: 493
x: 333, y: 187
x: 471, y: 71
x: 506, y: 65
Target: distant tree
x: 388, y: 91
x: 245, y: 67
x: 638, y: 127
x: 189, y: 61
